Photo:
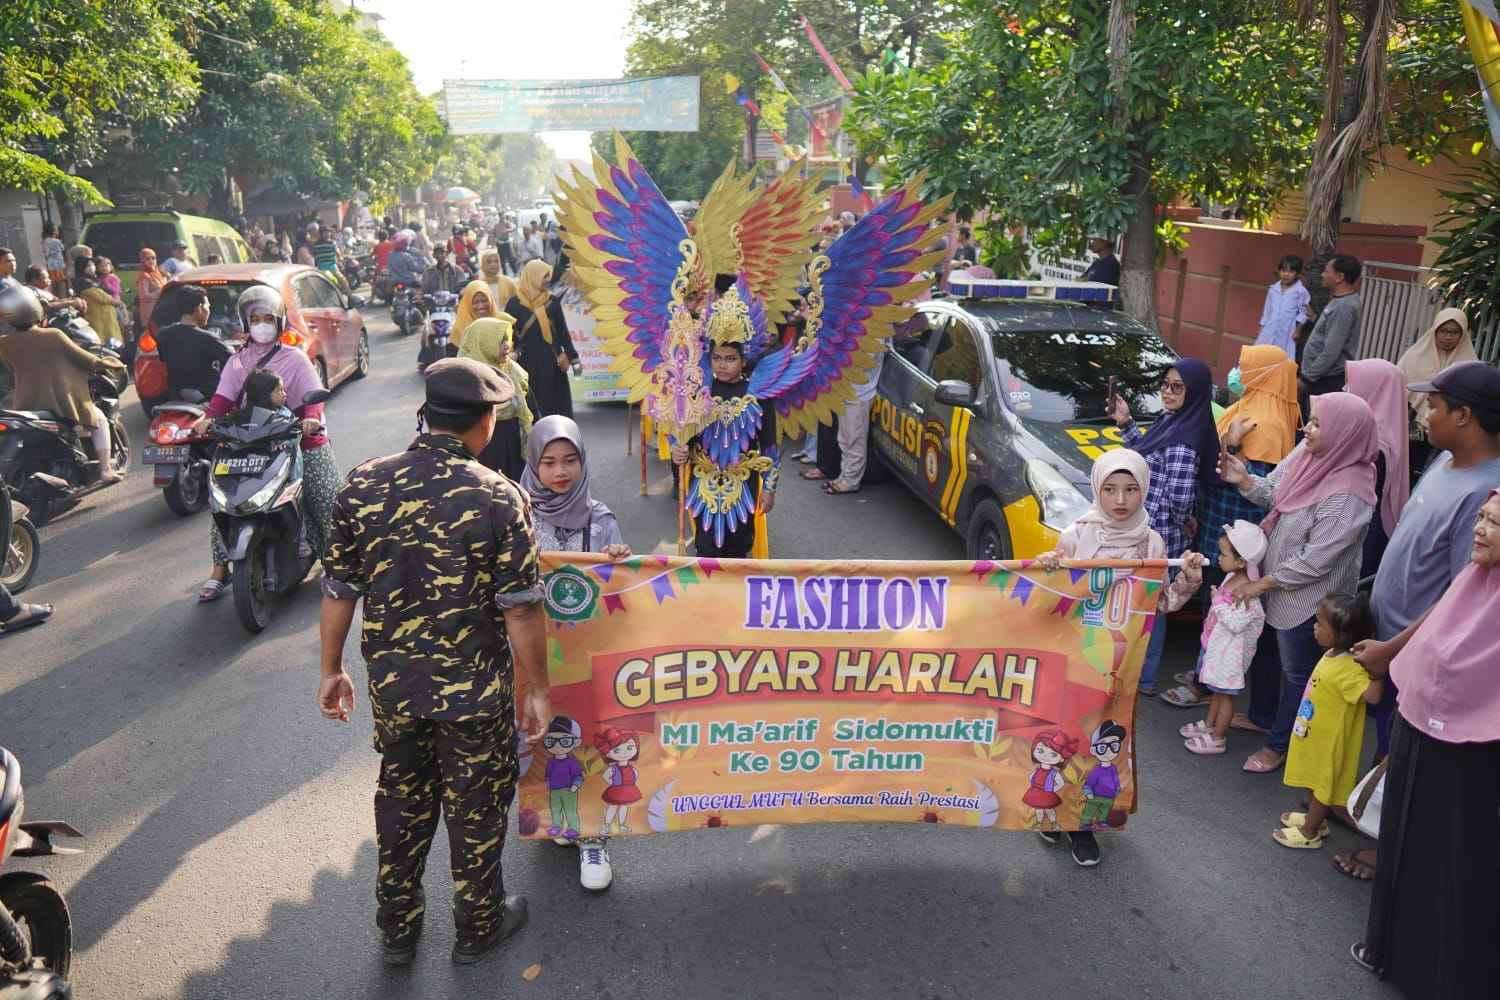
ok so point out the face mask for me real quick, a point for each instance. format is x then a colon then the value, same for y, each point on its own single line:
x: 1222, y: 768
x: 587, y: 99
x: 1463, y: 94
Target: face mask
x: 262, y: 333
x: 1236, y: 384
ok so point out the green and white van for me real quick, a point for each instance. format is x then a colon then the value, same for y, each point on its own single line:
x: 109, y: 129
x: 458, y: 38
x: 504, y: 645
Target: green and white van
x: 120, y: 235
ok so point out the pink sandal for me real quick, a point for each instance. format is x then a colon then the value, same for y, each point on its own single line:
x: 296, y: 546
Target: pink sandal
x: 1199, y: 728
x: 1205, y: 744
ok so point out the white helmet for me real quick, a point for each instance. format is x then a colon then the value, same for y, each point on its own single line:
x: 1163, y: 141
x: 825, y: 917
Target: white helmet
x: 262, y: 299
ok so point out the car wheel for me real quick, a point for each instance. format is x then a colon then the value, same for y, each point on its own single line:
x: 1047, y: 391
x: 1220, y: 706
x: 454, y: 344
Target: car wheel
x: 988, y: 534
x: 362, y: 358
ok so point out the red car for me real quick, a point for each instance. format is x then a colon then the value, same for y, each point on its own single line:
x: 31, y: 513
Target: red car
x: 323, y: 321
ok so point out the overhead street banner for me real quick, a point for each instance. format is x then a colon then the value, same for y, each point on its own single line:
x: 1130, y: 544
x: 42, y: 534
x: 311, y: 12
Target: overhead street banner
x: 695, y: 693
x: 494, y: 107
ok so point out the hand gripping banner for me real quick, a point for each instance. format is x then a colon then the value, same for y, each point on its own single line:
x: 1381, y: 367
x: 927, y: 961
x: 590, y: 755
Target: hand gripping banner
x: 692, y: 693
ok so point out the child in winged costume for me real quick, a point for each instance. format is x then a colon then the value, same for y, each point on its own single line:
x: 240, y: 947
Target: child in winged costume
x: 652, y: 286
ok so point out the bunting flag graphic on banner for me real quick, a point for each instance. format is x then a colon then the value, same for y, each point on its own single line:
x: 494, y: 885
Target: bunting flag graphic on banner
x: 742, y: 692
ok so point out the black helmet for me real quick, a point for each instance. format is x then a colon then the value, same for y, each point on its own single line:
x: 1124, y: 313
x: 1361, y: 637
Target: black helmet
x: 458, y: 230
x: 20, y: 309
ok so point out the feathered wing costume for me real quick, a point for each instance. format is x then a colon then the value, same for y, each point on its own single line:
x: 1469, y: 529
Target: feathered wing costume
x: 651, y: 284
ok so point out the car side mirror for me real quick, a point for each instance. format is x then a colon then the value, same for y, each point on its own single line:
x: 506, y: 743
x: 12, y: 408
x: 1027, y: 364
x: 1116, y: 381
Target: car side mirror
x: 955, y: 392
x: 357, y: 302
x: 315, y: 397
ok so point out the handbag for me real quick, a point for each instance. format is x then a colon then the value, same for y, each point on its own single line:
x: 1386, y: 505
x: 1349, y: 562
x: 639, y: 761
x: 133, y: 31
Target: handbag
x: 1366, y: 799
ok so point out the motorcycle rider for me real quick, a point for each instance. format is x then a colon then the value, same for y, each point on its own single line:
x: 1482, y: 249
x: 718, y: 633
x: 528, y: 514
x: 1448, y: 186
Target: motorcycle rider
x: 419, y: 241
x: 263, y: 313
x: 194, y: 357
x: 52, y: 373
x: 39, y: 281
x: 443, y: 275
x: 405, y: 264
x: 15, y: 616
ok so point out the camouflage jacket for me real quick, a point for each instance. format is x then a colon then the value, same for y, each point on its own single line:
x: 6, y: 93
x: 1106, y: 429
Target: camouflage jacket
x: 438, y: 547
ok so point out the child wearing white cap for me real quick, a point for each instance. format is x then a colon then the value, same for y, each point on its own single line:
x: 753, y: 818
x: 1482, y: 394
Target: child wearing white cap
x: 1231, y: 630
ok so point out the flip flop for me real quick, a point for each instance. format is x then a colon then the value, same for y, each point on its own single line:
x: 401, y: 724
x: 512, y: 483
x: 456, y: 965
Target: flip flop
x: 1185, y: 676
x: 212, y: 590
x: 1361, y: 955
x: 1206, y: 746
x: 1292, y: 837
x: 1243, y: 723
x: 35, y: 614
x: 1146, y: 692
x: 1297, y: 819
x: 833, y: 489
x: 813, y: 475
x: 1351, y: 864
x: 1183, y: 697
x: 1194, y: 729
x: 1255, y: 765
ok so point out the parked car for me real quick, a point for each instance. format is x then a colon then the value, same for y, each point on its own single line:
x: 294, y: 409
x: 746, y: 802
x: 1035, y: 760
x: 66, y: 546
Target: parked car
x: 991, y: 406
x: 326, y: 323
x: 120, y: 235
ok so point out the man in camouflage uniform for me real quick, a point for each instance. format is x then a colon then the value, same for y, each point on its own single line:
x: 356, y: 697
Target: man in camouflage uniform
x: 441, y: 550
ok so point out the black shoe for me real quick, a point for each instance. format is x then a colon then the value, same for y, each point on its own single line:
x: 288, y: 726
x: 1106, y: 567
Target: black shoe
x: 399, y: 950
x: 1050, y: 836
x: 468, y: 950
x: 1085, y: 848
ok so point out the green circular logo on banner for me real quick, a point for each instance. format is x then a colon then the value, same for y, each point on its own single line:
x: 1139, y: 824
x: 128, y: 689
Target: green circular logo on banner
x: 570, y: 595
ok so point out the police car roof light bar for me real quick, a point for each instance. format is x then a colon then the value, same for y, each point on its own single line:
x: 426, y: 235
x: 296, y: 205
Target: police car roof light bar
x: 963, y: 286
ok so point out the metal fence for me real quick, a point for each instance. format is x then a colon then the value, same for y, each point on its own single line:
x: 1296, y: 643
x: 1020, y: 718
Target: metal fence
x: 1398, y: 307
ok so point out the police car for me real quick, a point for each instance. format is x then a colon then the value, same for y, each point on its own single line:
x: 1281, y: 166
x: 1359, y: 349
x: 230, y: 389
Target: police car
x: 991, y: 405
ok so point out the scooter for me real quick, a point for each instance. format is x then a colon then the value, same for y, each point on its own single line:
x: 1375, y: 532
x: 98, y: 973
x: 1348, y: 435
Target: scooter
x: 380, y: 285
x: 22, y: 544
x: 36, y: 930
x: 442, y: 311
x: 404, y: 309
x: 255, y: 488
x: 180, y: 458
x: 46, y: 457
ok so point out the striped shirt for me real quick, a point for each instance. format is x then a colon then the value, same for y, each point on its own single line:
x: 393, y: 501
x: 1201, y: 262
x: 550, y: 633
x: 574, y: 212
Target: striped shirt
x: 325, y: 256
x: 1172, y: 498
x: 1313, y: 552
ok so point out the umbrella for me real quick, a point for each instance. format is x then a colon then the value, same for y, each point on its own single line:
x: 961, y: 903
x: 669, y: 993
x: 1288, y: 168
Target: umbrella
x: 460, y: 194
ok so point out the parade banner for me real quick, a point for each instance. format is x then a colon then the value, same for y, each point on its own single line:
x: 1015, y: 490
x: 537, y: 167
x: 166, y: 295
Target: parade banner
x: 596, y: 382
x: 497, y: 107
x: 693, y: 693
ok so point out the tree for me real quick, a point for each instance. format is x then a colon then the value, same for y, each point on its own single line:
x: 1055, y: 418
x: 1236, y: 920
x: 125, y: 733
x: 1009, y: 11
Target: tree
x: 510, y: 169
x: 1077, y: 117
x: 293, y: 94
x: 712, y: 38
x: 68, y: 71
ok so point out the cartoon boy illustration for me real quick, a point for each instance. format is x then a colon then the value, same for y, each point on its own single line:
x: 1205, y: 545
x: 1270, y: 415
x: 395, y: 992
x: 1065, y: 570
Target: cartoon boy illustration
x: 1103, y: 782
x: 564, y: 776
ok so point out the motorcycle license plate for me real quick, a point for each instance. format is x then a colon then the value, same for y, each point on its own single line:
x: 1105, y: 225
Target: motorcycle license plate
x: 244, y: 465
x: 175, y: 454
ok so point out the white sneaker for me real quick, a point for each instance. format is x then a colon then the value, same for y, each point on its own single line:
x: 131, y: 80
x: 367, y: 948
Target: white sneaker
x: 594, y: 871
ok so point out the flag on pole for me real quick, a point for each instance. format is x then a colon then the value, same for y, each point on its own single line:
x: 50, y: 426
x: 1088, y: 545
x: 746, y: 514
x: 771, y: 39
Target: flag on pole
x: 765, y: 68
x: 1482, y: 23
x: 817, y: 43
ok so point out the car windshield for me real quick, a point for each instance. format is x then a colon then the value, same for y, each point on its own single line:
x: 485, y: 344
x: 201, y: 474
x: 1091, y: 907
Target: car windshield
x: 223, y: 297
x: 1062, y: 376
x: 121, y: 242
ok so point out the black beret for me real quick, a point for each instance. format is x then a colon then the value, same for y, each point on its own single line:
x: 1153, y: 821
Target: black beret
x: 463, y: 385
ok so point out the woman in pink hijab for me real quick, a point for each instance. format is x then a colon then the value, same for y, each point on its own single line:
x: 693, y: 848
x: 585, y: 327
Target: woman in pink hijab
x: 1381, y: 384
x: 1433, y: 920
x: 1321, y: 499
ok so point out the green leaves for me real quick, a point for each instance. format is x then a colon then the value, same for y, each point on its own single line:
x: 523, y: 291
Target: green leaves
x: 1468, y: 265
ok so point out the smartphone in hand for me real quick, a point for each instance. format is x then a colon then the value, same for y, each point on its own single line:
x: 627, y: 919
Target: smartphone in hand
x: 1111, y: 392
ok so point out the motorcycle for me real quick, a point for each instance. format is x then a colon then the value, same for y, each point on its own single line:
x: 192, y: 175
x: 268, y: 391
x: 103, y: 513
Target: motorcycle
x: 36, y: 930
x: 22, y: 544
x: 46, y: 458
x: 404, y: 310
x: 180, y: 459
x: 255, y: 488
x: 442, y: 311
x: 380, y: 284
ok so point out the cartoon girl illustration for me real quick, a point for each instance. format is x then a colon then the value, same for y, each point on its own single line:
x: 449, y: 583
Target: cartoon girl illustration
x: 1050, y: 750
x: 620, y: 747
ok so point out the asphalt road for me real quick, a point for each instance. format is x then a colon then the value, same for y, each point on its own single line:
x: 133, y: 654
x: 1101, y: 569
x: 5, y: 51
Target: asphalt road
x: 230, y: 849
